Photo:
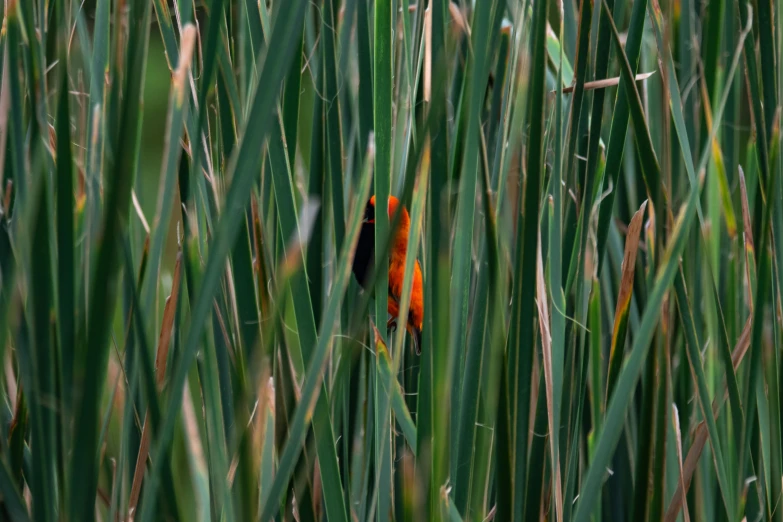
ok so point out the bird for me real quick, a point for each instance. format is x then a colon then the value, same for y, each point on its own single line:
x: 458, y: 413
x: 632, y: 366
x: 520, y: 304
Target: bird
x: 364, y: 260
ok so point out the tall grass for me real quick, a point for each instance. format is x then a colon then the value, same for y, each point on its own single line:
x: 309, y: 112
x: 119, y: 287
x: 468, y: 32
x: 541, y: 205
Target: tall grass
x: 595, y: 201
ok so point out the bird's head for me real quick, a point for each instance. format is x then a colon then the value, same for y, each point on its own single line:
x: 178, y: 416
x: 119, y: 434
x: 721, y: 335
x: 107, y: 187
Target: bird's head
x: 394, y: 203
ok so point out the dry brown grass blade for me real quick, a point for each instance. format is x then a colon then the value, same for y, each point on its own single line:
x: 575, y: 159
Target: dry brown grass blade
x: 266, y: 408
x: 140, y: 212
x: 224, y: 332
x: 749, y: 245
x: 458, y: 19
x: 629, y: 259
x: 546, y: 345
x: 624, y: 296
x: 10, y: 377
x: 5, y: 105
x: 743, y: 343
x: 694, y: 454
x: 257, y: 424
x: 193, y: 438
x: 427, y: 54
x: 700, y: 432
x: 161, y: 357
x: 259, y: 263
x: 180, y: 76
x: 745, y: 211
x: 678, y: 441
x: 603, y: 84
x: 9, y: 186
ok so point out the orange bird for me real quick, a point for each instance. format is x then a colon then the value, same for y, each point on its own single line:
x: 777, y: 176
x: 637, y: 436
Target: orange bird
x: 364, y: 260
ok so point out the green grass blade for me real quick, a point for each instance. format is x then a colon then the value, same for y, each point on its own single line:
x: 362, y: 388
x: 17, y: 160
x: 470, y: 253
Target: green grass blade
x: 713, y: 34
x: 333, y: 133
x: 768, y: 62
x: 660, y: 434
x: 762, y: 149
x: 434, y: 387
x: 42, y: 358
x: 555, y: 255
x: 534, y: 497
x: 382, y: 117
x: 65, y: 244
x: 473, y: 95
x: 84, y: 463
x: 365, y: 51
x: 521, y: 338
x: 761, y: 299
x: 14, y: 503
x: 398, y: 405
x: 383, y: 59
x: 19, y: 158
x: 96, y: 118
x: 167, y: 32
x: 596, y: 373
x: 316, y: 190
x: 491, y: 332
x: 216, y: 434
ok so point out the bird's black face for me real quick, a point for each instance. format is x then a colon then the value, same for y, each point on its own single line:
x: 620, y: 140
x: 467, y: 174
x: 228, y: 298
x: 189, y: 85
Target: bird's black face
x: 369, y: 213
x: 363, y: 258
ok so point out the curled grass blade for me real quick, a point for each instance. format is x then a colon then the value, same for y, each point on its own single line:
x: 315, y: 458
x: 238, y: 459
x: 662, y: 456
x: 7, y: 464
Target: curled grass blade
x: 624, y: 299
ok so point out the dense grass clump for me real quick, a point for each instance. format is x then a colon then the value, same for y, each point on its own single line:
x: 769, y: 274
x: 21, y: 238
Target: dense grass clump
x: 594, y: 196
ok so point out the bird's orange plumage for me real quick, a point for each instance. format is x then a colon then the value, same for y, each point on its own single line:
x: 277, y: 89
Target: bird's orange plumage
x: 397, y: 273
